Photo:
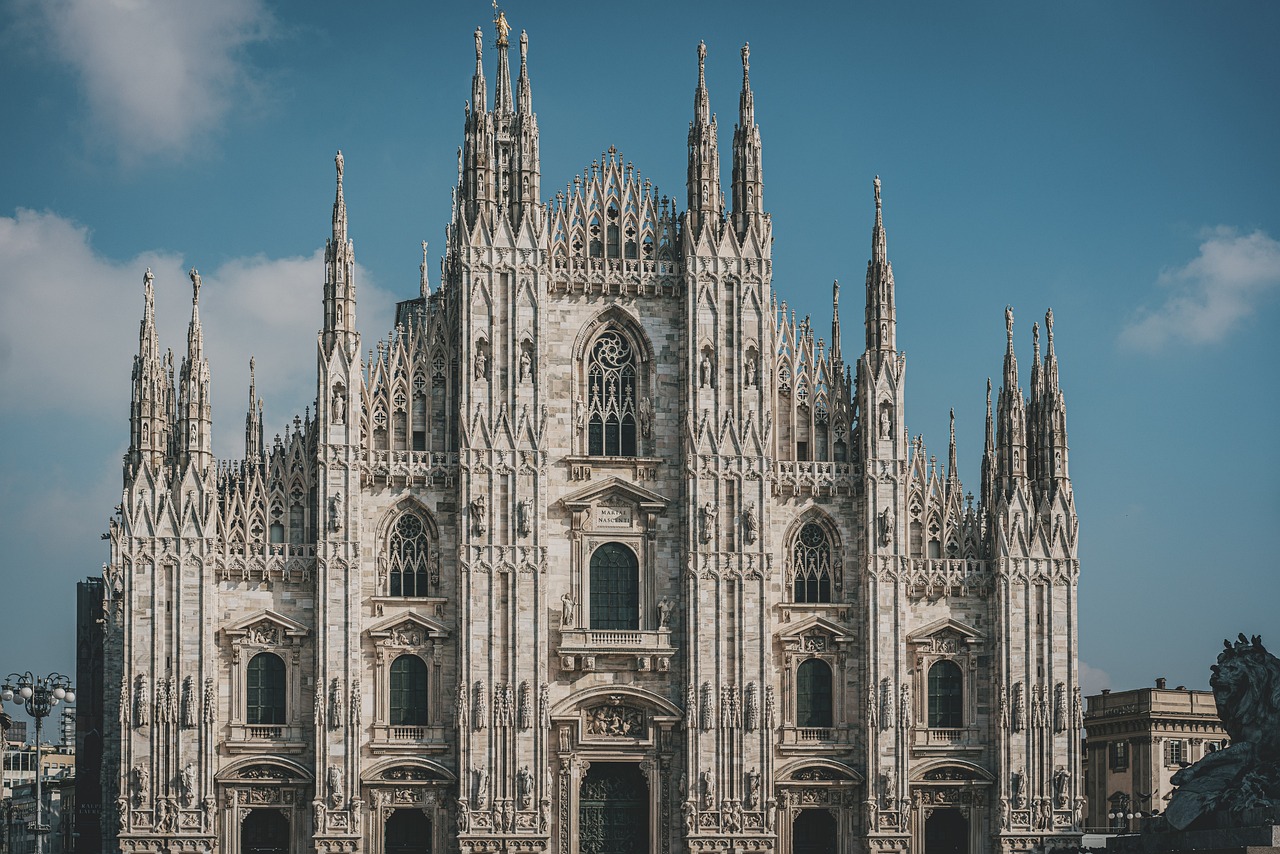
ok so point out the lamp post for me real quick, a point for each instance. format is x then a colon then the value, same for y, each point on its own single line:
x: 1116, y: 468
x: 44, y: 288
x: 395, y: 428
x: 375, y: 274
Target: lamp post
x: 38, y: 695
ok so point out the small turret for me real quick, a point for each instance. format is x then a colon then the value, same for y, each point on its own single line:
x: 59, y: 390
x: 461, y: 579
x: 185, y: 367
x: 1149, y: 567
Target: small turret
x: 151, y: 404
x: 194, y: 435
x: 988, y: 456
x: 253, y: 421
x: 1011, y: 436
x: 882, y: 313
x: 706, y: 206
x: 1052, y: 421
x: 835, y: 322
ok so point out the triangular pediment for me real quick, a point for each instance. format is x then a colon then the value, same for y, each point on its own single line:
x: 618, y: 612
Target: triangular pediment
x: 813, y: 625
x: 404, y: 627
x: 945, y: 626
x: 265, y: 620
x: 615, y: 487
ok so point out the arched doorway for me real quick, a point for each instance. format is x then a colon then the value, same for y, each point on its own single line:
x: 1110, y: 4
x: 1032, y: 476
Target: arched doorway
x: 613, y: 810
x: 265, y: 832
x: 814, y: 832
x: 407, y: 832
x: 946, y: 831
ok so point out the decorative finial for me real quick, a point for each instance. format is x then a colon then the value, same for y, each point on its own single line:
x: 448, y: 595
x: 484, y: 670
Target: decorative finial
x: 702, y: 63
x: 423, y: 269
x: 1008, y: 323
x: 746, y: 59
x: 195, y: 284
x: 524, y: 46
x: 148, y: 278
x: 877, y: 186
x: 835, y: 293
x: 1035, y: 339
x: 1048, y: 323
x: 479, y: 44
x: 337, y: 160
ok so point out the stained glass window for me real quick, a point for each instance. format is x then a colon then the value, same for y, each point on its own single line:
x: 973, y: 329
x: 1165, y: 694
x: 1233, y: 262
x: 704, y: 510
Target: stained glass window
x: 407, y: 554
x: 811, y: 564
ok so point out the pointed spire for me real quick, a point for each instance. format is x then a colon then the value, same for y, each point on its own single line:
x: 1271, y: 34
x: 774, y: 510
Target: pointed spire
x: 988, y: 457
x: 502, y: 88
x: 253, y: 420
x: 339, y: 204
x: 479, y: 97
x: 703, y: 184
x: 339, y: 261
x: 1011, y: 432
x: 701, y: 100
x: 835, y: 320
x: 152, y: 398
x: 524, y: 95
x: 194, y: 428
x: 882, y: 313
x: 1052, y: 417
x: 748, y: 178
x: 953, y: 473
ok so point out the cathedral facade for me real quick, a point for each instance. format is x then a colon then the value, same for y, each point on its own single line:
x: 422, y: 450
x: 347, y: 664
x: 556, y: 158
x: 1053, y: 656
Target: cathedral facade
x: 599, y: 551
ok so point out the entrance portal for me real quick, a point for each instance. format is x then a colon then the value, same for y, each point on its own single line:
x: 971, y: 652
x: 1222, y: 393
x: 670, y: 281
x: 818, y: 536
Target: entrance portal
x: 814, y: 832
x: 613, y: 810
x: 946, y: 831
x: 407, y: 832
x: 265, y: 832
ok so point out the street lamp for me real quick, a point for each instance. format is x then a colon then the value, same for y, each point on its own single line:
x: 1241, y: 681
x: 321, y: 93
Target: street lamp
x: 38, y: 695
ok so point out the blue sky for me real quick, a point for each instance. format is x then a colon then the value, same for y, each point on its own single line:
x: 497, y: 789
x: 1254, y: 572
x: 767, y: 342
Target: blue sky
x: 1117, y: 162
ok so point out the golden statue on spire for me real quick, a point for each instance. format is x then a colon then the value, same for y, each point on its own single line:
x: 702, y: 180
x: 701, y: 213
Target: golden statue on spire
x: 500, y: 23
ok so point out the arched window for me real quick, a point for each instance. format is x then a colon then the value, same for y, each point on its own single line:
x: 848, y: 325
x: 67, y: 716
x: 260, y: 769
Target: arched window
x: 265, y: 690
x: 813, y: 694
x: 811, y: 564
x: 407, y: 555
x: 408, y: 691
x: 611, y: 396
x: 615, y: 588
x: 945, y: 710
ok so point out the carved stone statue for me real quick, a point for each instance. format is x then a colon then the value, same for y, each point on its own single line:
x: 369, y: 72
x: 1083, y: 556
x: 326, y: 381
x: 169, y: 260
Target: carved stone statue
x: 1016, y: 784
x: 1245, y: 775
x: 566, y: 610
x: 524, y: 787
x: 479, y: 516
x: 749, y: 371
x: 704, y: 370
x: 665, y: 607
x: 333, y: 780
x: 708, y: 518
x: 141, y: 784
x: 335, y: 512
x: 1061, y: 779
x: 338, y: 408
x: 482, y: 788
x: 750, y: 523
x: 886, y: 527
x: 481, y: 364
x: 708, y: 791
x: 753, y: 789
x: 524, y: 517
x: 646, y: 417
x: 526, y: 366
x: 886, y: 422
x: 187, y: 784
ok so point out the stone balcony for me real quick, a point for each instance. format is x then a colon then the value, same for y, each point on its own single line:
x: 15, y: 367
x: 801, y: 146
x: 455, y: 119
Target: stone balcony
x: 601, y: 649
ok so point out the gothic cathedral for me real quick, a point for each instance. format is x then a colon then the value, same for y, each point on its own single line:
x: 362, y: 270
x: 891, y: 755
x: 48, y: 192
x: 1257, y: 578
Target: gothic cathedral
x: 598, y: 552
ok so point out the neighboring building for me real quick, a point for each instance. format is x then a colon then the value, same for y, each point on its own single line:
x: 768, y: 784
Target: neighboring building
x: 90, y: 639
x: 600, y: 547
x: 1136, y: 740
x: 59, y: 805
x: 56, y: 761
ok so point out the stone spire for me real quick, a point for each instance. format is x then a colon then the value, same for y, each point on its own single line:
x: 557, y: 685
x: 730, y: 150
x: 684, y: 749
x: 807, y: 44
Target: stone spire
x: 425, y: 283
x: 340, y: 269
x: 835, y: 321
x: 253, y: 420
x: 988, y: 455
x: 502, y: 88
x: 748, y: 178
x: 953, y: 470
x: 152, y: 391
x: 524, y: 95
x: 705, y: 203
x: 1052, y: 426
x: 882, y: 313
x: 479, y: 95
x: 194, y: 411
x: 1011, y: 436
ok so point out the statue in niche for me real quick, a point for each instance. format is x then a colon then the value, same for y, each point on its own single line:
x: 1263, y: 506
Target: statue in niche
x: 481, y: 363
x: 338, y: 407
x: 187, y: 784
x: 749, y: 371
x: 141, y: 784
x: 886, y: 421
x: 708, y: 516
x: 753, y: 789
x: 665, y: 606
x: 482, y: 788
x: 524, y: 787
x: 188, y: 718
x: 526, y: 366
x: 708, y: 791
x: 566, y: 610
x: 1016, y: 789
x: 646, y: 417
x: 750, y: 523
x: 524, y: 517
x: 886, y: 527
x: 1061, y: 778
x: 334, y: 782
x: 705, y: 370
x: 335, y: 512
x: 317, y: 810
x: 888, y: 788
x: 479, y: 514
x: 1246, y: 775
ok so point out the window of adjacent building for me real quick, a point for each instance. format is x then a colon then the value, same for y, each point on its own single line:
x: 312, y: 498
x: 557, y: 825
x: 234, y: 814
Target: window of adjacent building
x: 615, y: 588
x: 265, y: 689
x: 945, y: 695
x: 611, y: 396
x: 408, y: 691
x: 407, y: 554
x: 813, y: 694
x: 811, y: 564
x: 1175, y: 751
x: 1118, y: 755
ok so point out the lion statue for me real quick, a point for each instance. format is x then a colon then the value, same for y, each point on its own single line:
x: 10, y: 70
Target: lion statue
x: 1246, y: 775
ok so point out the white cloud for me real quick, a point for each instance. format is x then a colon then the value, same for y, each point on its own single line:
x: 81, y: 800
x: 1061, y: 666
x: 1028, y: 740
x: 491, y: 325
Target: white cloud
x: 157, y: 74
x: 1092, y: 679
x: 69, y: 319
x: 1210, y: 295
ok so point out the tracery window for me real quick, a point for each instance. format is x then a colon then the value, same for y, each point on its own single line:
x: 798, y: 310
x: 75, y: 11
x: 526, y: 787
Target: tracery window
x: 408, y: 691
x: 611, y: 396
x: 407, y: 556
x: 265, y: 695
x: 811, y: 564
x: 813, y: 694
x: 945, y: 695
x: 615, y: 588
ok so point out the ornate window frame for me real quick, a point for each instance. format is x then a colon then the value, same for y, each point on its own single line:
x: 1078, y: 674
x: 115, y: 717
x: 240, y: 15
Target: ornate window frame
x: 816, y: 638
x: 408, y: 783
x: 814, y: 783
x: 261, y: 782
x: 835, y: 542
x: 407, y: 506
x: 952, y: 784
x: 266, y: 631
x: 619, y: 321
x: 412, y: 634
x: 614, y: 511
x: 945, y: 640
